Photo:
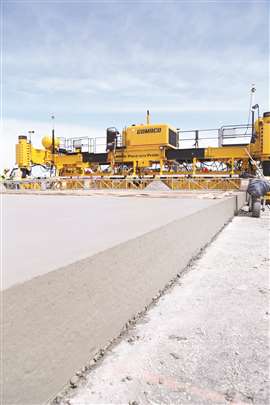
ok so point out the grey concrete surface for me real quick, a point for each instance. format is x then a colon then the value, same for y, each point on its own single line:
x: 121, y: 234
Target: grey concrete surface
x: 43, y: 233
x: 54, y: 323
x: 207, y: 339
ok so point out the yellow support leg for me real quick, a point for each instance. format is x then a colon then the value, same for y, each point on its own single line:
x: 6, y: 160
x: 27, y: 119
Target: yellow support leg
x: 194, y: 162
x: 134, y: 169
x: 161, y: 167
x: 232, y: 168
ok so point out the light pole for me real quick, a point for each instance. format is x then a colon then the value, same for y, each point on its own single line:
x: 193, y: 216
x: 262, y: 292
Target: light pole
x: 53, y: 142
x: 252, y: 91
x: 30, y: 133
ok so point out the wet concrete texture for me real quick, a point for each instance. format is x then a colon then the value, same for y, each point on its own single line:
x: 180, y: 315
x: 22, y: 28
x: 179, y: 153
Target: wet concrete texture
x: 55, y: 322
x: 43, y: 233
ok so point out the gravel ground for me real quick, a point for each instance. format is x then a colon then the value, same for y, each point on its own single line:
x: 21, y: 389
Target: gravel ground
x: 205, y: 342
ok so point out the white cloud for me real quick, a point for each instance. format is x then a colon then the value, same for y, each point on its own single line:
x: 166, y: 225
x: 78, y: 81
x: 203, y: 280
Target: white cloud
x: 196, y: 56
x: 169, y: 80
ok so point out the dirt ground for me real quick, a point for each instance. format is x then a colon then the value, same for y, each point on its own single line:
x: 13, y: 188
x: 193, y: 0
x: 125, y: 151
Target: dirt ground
x: 204, y: 342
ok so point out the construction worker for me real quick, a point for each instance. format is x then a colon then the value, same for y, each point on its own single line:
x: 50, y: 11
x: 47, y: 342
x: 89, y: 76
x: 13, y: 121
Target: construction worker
x: 5, y: 174
x: 17, y: 176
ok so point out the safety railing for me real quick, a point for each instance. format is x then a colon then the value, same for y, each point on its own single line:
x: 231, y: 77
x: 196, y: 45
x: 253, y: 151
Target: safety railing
x: 223, y: 136
x: 194, y: 138
x: 85, y: 144
x: 240, y: 133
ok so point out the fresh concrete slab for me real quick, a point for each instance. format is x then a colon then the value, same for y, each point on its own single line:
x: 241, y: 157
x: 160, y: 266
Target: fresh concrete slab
x: 57, y: 320
x: 207, y: 339
x: 43, y: 233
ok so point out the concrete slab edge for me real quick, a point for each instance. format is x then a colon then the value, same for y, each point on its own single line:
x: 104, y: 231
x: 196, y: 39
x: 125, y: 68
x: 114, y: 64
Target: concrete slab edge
x: 68, y: 321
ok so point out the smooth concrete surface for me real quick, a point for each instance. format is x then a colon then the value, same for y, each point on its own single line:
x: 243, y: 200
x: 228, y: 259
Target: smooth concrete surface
x: 43, y: 233
x: 54, y: 323
x: 206, y: 341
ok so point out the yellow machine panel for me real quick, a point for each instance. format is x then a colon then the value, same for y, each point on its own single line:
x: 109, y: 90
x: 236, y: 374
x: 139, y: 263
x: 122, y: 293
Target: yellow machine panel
x: 23, y: 152
x: 261, y: 147
x: 151, y: 134
x: 139, y: 157
x: 228, y: 152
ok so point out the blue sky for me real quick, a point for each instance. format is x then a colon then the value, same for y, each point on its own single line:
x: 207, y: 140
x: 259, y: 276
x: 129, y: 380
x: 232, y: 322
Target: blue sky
x: 98, y: 64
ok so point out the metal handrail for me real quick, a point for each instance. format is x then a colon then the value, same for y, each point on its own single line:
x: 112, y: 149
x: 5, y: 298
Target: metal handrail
x: 220, y: 134
x: 92, y: 144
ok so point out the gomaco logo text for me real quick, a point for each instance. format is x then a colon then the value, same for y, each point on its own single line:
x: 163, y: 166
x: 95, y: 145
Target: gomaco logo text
x: 148, y: 131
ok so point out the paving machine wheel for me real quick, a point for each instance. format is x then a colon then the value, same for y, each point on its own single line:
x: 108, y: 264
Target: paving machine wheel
x: 257, y: 189
x: 256, y: 209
